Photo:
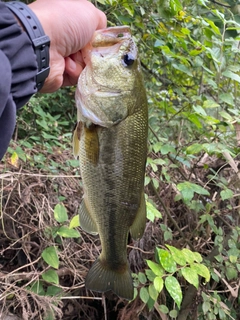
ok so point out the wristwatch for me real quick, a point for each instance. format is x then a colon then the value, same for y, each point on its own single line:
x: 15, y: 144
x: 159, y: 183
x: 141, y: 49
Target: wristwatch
x: 40, y: 41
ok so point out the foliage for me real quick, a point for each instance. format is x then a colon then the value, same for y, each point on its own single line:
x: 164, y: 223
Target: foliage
x: 169, y: 266
x: 189, y: 52
x: 48, y: 284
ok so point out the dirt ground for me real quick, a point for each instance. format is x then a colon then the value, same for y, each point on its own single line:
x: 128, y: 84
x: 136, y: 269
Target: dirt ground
x: 28, y: 198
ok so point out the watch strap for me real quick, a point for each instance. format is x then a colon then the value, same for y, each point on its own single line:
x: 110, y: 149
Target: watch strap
x: 40, y: 41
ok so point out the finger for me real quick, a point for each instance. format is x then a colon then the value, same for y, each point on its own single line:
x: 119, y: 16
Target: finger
x: 102, y: 24
x: 73, y: 67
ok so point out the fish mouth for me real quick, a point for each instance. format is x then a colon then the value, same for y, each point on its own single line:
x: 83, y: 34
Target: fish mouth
x: 111, y: 36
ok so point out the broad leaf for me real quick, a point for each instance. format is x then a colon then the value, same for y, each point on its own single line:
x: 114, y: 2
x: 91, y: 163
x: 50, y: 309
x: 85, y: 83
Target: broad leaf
x: 202, y: 270
x: 155, y: 267
x: 144, y: 295
x: 191, y: 276
x: 177, y: 255
x: 153, y: 292
x: 158, y: 284
x: 75, y: 222
x: 51, y: 276
x: 173, y: 287
x: 50, y: 256
x: 68, y: 233
x: 60, y: 213
x: 167, y: 260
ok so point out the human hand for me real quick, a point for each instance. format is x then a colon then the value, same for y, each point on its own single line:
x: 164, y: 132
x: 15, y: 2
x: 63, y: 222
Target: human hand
x: 70, y: 25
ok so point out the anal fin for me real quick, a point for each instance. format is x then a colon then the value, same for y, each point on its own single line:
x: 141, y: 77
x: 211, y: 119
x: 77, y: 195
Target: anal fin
x: 86, y: 221
x: 139, y: 223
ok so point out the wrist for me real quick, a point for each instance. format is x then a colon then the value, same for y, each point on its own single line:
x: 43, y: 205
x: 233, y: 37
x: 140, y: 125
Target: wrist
x: 29, y: 22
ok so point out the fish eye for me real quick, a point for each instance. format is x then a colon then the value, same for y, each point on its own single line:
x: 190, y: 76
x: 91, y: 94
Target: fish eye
x: 128, y: 59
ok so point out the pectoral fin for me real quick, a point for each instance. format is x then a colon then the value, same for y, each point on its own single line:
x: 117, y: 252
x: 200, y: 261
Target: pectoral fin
x: 91, y: 144
x: 76, y: 139
x: 86, y: 221
x: 138, y: 226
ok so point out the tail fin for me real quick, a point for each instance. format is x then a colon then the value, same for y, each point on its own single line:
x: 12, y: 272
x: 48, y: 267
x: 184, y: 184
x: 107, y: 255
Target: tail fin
x: 102, y: 279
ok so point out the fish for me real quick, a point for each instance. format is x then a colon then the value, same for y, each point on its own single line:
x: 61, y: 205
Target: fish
x: 110, y: 140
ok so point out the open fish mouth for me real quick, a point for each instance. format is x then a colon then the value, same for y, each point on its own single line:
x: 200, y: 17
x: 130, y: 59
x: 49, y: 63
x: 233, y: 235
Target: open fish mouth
x: 111, y: 36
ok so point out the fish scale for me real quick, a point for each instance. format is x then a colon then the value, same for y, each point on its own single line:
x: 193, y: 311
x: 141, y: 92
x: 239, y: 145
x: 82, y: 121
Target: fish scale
x: 111, y: 142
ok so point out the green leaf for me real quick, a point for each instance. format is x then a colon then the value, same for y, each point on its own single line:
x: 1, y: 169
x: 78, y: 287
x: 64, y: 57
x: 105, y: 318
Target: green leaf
x: 51, y: 276
x: 206, y: 306
x: 129, y: 9
x: 199, y: 110
x: 165, y: 149
x: 150, y: 275
x: 167, y: 235
x: 194, y: 118
x: 74, y: 222
x: 227, y: 98
x: 53, y: 291
x: 200, y: 190
x: 37, y: 287
x: 173, y: 287
x: 197, y: 257
x: 231, y: 75
x: 202, y: 270
x: 190, y: 275
x: 158, y: 284
x: 177, y: 255
x: 60, y: 213
x: 194, y: 148
x: 155, y: 267
x: 167, y: 260
x: 189, y: 255
x: 153, y: 292
x: 182, y: 68
x: 214, y: 27
x: 152, y: 212
x: 144, y: 295
x: 68, y: 233
x: 210, y: 104
x: 226, y: 115
x: 164, y: 309
x: 50, y: 256
x: 150, y: 303
x: 175, y: 6
x: 226, y: 194
x: 173, y: 313
x: 142, y: 278
x: 187, y: 189
x: 231, y: 273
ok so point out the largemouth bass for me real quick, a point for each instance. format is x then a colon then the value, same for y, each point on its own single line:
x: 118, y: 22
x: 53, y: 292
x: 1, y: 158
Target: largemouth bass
x: 111, y: 142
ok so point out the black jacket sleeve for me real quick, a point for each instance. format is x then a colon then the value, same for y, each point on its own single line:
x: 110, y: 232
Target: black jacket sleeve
x: 18, y: 69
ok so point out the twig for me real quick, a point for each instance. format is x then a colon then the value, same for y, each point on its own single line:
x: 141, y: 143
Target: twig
x: 10, y: 174
x: 80, y: 297
x: 136, y: 248
x: 104, y: 306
